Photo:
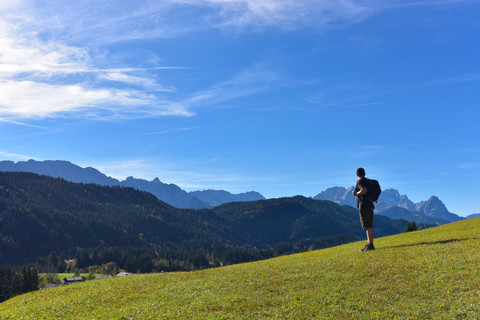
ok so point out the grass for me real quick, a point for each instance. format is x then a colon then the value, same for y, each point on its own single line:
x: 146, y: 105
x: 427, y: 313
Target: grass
x: 428, y: 274
x: 61, y: 276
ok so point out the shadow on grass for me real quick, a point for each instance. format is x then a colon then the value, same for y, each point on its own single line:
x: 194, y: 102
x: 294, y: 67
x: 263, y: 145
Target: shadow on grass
x: 428, y: 243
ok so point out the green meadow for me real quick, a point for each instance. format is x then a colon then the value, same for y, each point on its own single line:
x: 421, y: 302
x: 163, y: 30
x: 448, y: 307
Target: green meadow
x: 61, y: 276
x: 428, y: 274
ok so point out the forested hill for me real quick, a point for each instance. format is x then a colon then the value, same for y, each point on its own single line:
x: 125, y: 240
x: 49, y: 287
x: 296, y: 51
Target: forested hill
x: 40, y: 215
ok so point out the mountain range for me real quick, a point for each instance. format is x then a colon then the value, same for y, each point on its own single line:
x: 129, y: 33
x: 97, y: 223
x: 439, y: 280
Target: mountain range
x: 169, y: 193
x: 396, y: 206
x: 390, y: 204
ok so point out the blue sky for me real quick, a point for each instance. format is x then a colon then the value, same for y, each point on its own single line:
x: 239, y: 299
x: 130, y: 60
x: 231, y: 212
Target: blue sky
x: 282, y: 97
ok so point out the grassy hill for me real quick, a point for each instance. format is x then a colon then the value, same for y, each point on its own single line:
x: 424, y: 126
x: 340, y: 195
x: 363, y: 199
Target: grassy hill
x: 429, y: 274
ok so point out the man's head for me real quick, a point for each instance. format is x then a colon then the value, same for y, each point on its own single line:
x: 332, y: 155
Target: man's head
x: 360, y: 172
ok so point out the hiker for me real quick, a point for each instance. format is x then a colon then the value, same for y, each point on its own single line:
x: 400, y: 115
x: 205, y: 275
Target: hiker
x: 365, y: 208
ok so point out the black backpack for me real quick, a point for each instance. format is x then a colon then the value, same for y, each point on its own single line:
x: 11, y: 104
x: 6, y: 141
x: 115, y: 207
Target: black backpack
x: 374, y: 190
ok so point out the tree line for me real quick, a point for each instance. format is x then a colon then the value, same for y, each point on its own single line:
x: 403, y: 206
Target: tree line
x: 168, y: 259
x: 14, y: 282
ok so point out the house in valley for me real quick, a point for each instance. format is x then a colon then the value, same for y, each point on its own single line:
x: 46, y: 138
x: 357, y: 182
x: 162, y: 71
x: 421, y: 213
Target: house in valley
x: 70, y: 280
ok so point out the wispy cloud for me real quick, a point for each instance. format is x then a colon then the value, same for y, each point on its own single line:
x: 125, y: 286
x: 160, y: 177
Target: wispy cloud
x: 15, y: 156
x: 143, y: 82
x: 253, y: 80
x: 43, y: 77
x: 348, y: 96
x: 288, y: 14
x: 469, y: 165
x: 22, y: 123
x: 91, y: 22
x: 366, y: 104
x: 115, y: 21
x: 427, y: 3
x: 166, y: 131
x: 293, y: 14
x: 139, y: 168
x: 111, y: 21
x: 471, y: 77
x: 186, y: 174
x: 366, y: 151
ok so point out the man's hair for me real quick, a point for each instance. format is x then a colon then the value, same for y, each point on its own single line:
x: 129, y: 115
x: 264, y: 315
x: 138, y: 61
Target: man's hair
x: 360, y: 172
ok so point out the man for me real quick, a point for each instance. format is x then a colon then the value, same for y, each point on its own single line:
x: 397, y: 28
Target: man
x: 365, y: 208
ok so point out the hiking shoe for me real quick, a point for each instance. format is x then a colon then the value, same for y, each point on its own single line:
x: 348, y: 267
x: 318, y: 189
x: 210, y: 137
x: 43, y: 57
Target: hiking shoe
x: 368, y: 247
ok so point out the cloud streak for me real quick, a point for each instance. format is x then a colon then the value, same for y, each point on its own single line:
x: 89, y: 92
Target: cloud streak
x: 253, y: 80
x: 471, y: 77
x: 15, y: 156
x: 289, y: 14
x: 319, y: 15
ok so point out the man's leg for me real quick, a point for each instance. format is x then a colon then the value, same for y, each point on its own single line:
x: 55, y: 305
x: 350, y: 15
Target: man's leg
x: 366, y: 218
x: 370, y: 236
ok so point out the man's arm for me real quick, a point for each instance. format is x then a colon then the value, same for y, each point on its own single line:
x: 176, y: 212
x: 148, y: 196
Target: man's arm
x: 362, y: 192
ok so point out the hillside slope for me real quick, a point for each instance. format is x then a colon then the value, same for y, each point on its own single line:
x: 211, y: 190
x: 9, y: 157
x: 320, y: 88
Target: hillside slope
x: 39, y: 214
x: 429, y: 274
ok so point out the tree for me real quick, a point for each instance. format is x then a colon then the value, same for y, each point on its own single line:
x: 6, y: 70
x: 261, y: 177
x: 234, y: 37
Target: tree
x: 8, y: 283
x: 411, y: 226
x: 30, y: 279
x: 110, y: 268
x: 50, y: 278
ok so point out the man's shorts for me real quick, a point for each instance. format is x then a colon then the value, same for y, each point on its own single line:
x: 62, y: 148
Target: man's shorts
x: 366, y: 217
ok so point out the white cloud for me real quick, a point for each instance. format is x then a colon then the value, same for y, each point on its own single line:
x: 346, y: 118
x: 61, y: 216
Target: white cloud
x: 42, y: 77
x: 89, y: 22
x: 23, y: 54
x: 28, y: 99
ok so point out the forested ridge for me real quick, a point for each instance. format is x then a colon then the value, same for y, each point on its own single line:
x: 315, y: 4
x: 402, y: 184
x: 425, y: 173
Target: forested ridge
x: 49, y: 220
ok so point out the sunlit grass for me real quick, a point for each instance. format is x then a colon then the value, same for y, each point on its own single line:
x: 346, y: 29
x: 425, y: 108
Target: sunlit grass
x: 429, y: 274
